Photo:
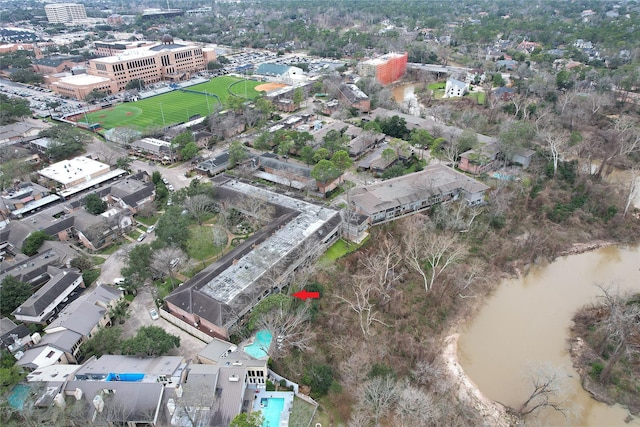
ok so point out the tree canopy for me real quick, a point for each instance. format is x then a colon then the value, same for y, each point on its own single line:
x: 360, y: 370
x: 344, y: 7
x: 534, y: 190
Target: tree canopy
x: 33, y: 242
x: 150, y: 341
x: 94, y: 204
x: 254, y: 419
x: 13, y: 293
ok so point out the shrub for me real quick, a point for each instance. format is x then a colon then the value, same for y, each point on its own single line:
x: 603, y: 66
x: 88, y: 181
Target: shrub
x: 33, y: 242
x: 596, y: 369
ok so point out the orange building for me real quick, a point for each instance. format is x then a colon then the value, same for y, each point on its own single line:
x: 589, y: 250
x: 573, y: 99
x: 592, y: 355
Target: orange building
x: 386, y: 69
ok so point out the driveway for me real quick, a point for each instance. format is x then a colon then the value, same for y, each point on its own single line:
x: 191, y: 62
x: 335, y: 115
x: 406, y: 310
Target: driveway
x: 139, y: 308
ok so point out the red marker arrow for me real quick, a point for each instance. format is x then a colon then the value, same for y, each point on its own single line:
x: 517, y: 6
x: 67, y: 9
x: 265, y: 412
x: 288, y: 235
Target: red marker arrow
x: 303, y: 295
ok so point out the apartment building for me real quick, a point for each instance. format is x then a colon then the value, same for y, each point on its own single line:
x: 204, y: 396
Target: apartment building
x: 386, y: 68
x: 164, y: 61
x: 62, y: 13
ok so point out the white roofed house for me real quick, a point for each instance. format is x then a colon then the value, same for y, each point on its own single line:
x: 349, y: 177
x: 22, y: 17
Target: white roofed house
x: 153, y: 149
x: 455, y: 88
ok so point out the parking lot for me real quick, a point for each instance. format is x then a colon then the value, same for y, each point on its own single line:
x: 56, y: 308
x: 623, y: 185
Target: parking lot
x: 139, y: 308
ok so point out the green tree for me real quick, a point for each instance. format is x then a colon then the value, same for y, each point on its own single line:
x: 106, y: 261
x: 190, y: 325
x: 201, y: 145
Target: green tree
x: 33, y: 242
x: 150, y: 341
x: 306, y: 154
x: 95, y: 95
x: 235, y: 104
x: 321, y: 154
x: 137, y: 262
x: 497, y: 80
x: 13, y: 293
x: 254, y: 419
x: 182, y: 139
x: 298, y: 97
x: 135, y: 84
x: 389, y: 155
x: 421, y: 139
x: 325, y: 171
x: 334, y: 141
x: 172, y: 228
x: 189, y: 151
x: 11, y: 109
x: 82, y: 262
x: 124, y: 163
x: 10, y: 373
x: 213, y: 65
x: 564, y: 80
x: 319, y: 377
x: 341, y: 160
x: 373, y: 126
x: 94, y: 204
x: 105, y: 341
x: 66, y: 140
x: 237, y: 153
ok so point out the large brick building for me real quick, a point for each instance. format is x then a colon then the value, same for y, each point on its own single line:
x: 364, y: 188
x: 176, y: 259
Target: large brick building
x: 151, y: 63
x: 386, y: 69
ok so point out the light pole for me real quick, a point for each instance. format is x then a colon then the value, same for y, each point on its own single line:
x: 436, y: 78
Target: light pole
x: 206, y: 95
x: 162, y: 112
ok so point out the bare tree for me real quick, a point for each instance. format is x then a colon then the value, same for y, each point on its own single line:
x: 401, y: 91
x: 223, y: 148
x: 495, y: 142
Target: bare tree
x: 556, y: 143
x: 289, y: 324
x: 549, y: 389
x: 167, y: 260
x: 199, y: 206
x: 360, y: 301
x: 620, y: 140
x: 378, y: 396
x: 619, y: 329
x: 633, y: 189
x: 258, y: 211
x: 414, y: 407
x: 424, y: 246
x: 381, y: 267
x: 219, y: 236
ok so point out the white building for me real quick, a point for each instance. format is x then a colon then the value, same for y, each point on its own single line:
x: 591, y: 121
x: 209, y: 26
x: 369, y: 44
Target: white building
x: 61, y: 13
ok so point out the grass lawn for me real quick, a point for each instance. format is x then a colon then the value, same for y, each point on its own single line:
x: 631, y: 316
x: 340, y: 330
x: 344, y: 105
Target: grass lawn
x: 438, y: 89
x: 111, y: 249
x: 173, y: 107
x: 97, y: 260
x: 478, y: 96
x: 301, y: 412
x: 134, y: 234
x: 338, y: 250
x: 148, y: 221
x: 200, y: 245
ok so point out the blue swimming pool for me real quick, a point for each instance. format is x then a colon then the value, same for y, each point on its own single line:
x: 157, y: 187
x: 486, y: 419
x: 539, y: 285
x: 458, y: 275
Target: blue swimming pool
x: 260, y: 347
x: 271, y: 409
x: 18, y: 396
x: 129, y: 377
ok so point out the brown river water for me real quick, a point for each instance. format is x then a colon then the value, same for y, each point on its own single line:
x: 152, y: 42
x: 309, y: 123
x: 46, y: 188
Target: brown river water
x: 526, y: 323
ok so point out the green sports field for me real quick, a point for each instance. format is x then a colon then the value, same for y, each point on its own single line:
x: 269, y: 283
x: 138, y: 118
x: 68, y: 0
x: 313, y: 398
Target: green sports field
x: 174, y: 107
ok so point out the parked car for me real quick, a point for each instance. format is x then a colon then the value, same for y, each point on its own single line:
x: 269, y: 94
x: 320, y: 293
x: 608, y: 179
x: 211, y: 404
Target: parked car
x: 141, y: 237
x: 154, y: 314
x: 150, y: 229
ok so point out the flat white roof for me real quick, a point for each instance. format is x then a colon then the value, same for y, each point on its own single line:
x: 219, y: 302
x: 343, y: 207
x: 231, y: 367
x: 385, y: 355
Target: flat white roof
x: 141, y: 52
x: 83, y: 79
x: 68, y: 171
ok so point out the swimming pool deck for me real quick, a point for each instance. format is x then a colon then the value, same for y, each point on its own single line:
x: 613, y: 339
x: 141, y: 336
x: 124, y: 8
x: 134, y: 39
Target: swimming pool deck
x: 288, y: 403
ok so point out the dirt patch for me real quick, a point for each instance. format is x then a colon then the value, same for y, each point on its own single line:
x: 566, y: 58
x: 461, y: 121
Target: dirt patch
x: 267, y: 87
x: 102, y: 116
x: 129, y: 113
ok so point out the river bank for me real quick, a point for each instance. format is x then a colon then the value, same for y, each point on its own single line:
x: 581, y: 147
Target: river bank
x: 493, y: 353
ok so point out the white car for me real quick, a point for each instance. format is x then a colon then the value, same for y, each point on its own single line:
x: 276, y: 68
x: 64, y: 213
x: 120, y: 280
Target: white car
x: 154, y: 314
x: 141, y: 237
x: 150, y: 229
x: 170, y: 187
